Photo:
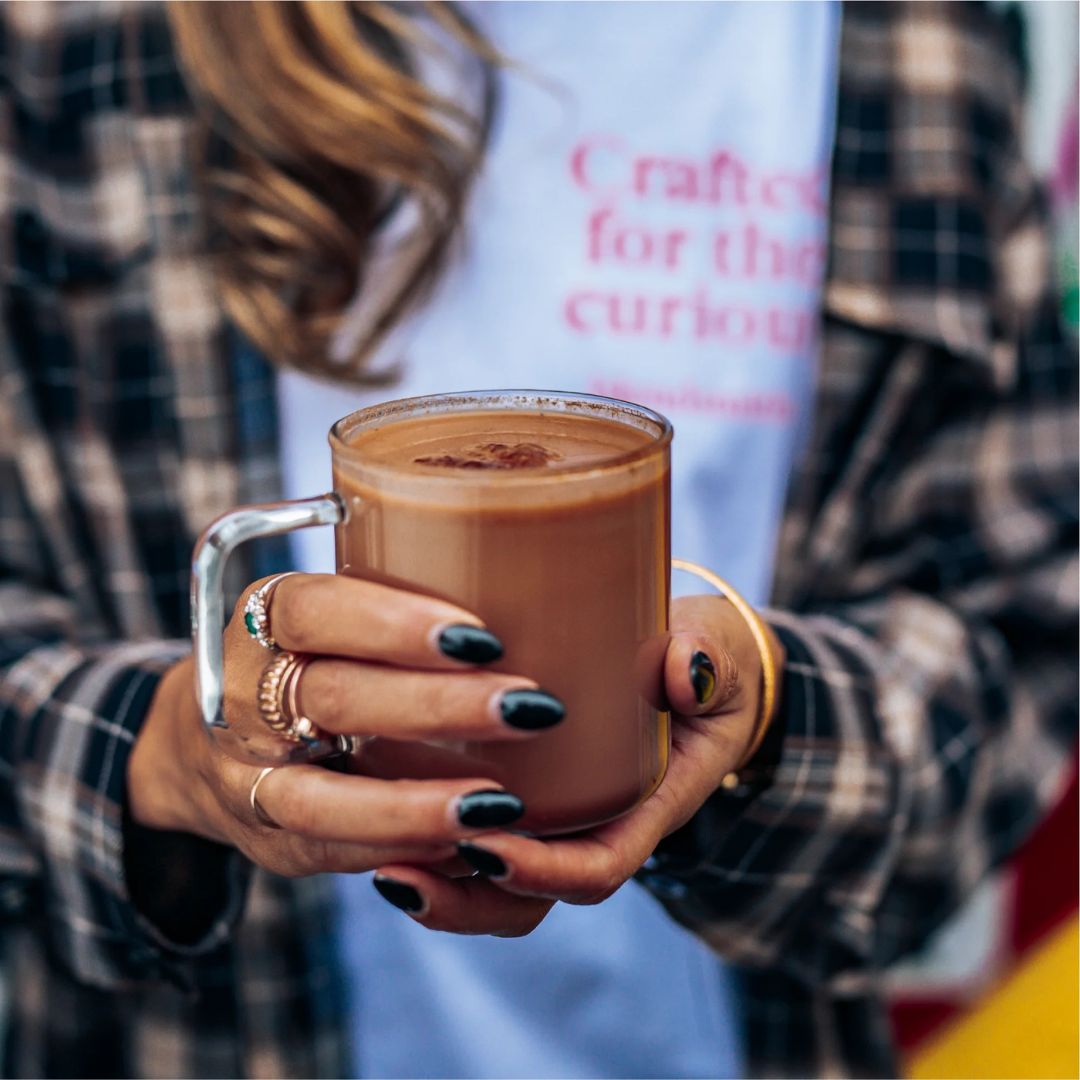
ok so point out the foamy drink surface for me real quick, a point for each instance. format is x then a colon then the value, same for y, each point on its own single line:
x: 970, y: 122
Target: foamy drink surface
x: 494, y: 442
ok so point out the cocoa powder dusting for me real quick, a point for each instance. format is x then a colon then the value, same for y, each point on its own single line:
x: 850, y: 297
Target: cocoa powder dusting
x: 494, y: 456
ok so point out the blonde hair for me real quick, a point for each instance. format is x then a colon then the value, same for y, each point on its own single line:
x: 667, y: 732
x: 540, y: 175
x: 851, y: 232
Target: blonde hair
x: 320, y: 128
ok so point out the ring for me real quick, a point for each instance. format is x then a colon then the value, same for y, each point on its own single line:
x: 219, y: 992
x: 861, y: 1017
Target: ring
x: 279, y: 704
x: 257, y: 611
x: 263, y: 817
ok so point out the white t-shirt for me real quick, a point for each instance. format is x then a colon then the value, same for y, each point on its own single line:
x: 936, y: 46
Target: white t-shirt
x: 650, y: 224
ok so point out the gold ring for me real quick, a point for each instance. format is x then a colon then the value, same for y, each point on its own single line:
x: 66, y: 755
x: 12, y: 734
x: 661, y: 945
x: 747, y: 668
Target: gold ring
x: 769, y: 676
x: 261, y: 815
x: 278, y: 697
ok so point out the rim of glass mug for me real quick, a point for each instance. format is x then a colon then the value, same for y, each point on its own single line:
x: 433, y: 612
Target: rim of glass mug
x: 560, y: 401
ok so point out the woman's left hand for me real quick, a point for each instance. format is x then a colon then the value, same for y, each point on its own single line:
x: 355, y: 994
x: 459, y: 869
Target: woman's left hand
x: 712, y: 679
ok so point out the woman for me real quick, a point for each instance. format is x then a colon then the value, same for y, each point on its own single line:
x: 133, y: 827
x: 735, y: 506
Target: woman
x: 924, y: 577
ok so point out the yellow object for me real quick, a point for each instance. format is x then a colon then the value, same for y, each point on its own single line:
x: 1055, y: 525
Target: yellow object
x: 757, y: 628
x: 1026, y: 1028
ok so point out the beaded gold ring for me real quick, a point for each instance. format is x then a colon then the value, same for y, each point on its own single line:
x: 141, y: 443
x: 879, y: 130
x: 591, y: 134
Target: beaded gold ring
x: 278, y: 697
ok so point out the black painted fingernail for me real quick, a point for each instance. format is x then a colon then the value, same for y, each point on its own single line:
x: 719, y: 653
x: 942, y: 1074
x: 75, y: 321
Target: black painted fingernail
x: 470, y: 643
x: 482, y: 861
x: 489, y: 809
x: 702, y: 676
x: 399, y: 894
x: 531, y: 710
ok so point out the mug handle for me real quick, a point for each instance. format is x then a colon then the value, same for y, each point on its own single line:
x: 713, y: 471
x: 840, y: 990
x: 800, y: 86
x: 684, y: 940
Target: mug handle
x: 211, y: 553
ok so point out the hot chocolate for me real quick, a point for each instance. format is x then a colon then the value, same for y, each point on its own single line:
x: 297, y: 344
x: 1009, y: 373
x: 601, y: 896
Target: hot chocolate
x: 552, y: 526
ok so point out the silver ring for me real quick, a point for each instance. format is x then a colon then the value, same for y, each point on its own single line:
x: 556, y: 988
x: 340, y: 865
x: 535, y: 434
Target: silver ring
x: 261, y: 815
x: 257, y: 611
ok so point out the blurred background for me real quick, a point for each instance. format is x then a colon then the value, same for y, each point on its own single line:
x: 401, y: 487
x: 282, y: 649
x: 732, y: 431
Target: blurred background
x: 995, y: 995
x: 1046, y: 33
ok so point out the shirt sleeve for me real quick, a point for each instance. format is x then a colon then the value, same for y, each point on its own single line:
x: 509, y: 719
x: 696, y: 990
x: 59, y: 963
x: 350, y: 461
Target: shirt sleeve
x: 69, y: 716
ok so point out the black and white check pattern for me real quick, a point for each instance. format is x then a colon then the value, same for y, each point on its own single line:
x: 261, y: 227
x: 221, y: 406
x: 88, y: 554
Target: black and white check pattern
x: 927, y: 570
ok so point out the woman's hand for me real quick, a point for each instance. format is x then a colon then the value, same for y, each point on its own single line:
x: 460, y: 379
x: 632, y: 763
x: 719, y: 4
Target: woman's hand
x: 388, y: 663
x: 712, y: 678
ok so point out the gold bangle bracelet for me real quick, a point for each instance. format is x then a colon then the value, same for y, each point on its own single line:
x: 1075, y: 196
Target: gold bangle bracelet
x: 769, y: 675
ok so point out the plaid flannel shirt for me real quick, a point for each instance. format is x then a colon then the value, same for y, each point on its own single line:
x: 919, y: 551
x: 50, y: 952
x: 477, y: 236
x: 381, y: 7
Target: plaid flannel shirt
x: 926, y: 592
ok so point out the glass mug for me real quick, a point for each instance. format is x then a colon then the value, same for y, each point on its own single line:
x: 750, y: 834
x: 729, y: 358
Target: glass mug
x: 568, y: 566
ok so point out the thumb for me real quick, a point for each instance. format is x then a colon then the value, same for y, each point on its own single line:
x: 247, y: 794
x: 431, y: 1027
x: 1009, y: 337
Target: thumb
x: 700, y: 675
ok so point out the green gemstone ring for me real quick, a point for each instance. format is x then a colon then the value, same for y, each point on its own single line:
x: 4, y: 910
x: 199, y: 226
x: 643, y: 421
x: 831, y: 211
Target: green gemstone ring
x: 257, y: 612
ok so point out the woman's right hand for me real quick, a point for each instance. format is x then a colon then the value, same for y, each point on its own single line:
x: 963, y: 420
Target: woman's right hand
x: 386, y: 663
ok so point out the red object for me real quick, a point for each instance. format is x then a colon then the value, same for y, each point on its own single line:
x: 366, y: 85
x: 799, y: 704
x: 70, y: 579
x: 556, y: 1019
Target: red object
x: 1047, y: 872
x: 1044, y: 876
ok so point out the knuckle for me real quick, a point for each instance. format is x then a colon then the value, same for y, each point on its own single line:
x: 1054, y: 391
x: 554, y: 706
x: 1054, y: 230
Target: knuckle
x: 286, y: 868
x: 296, y: 857
x: 294, y: 613
x: 273, y: 854
x: 465, y: 701
x: 341, y: 859
x: 406, y: 817
x: 445, y: 699
x: 311, y: 857
x: 289, y: 868
x: 609, y: 875
x: 292, y: 811
x: 323, y: 694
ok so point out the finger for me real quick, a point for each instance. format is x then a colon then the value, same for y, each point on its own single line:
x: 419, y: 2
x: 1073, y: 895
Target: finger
x: 700, y: 675
x: 300, y: 856
x: 462, y: 906
x: 581, y: 870
x: 344, y: 616
x: 329, y: 806
x: 584, y: 870
x: 350, y: 697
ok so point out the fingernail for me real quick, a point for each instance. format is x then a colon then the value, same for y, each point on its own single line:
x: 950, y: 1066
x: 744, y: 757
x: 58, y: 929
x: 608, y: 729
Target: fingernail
x: 489, y: 809
x: 702, y: 676
x: 399, y: 894
x: 472, y: 644
x: 531, y: 710
x: 482, y: 861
